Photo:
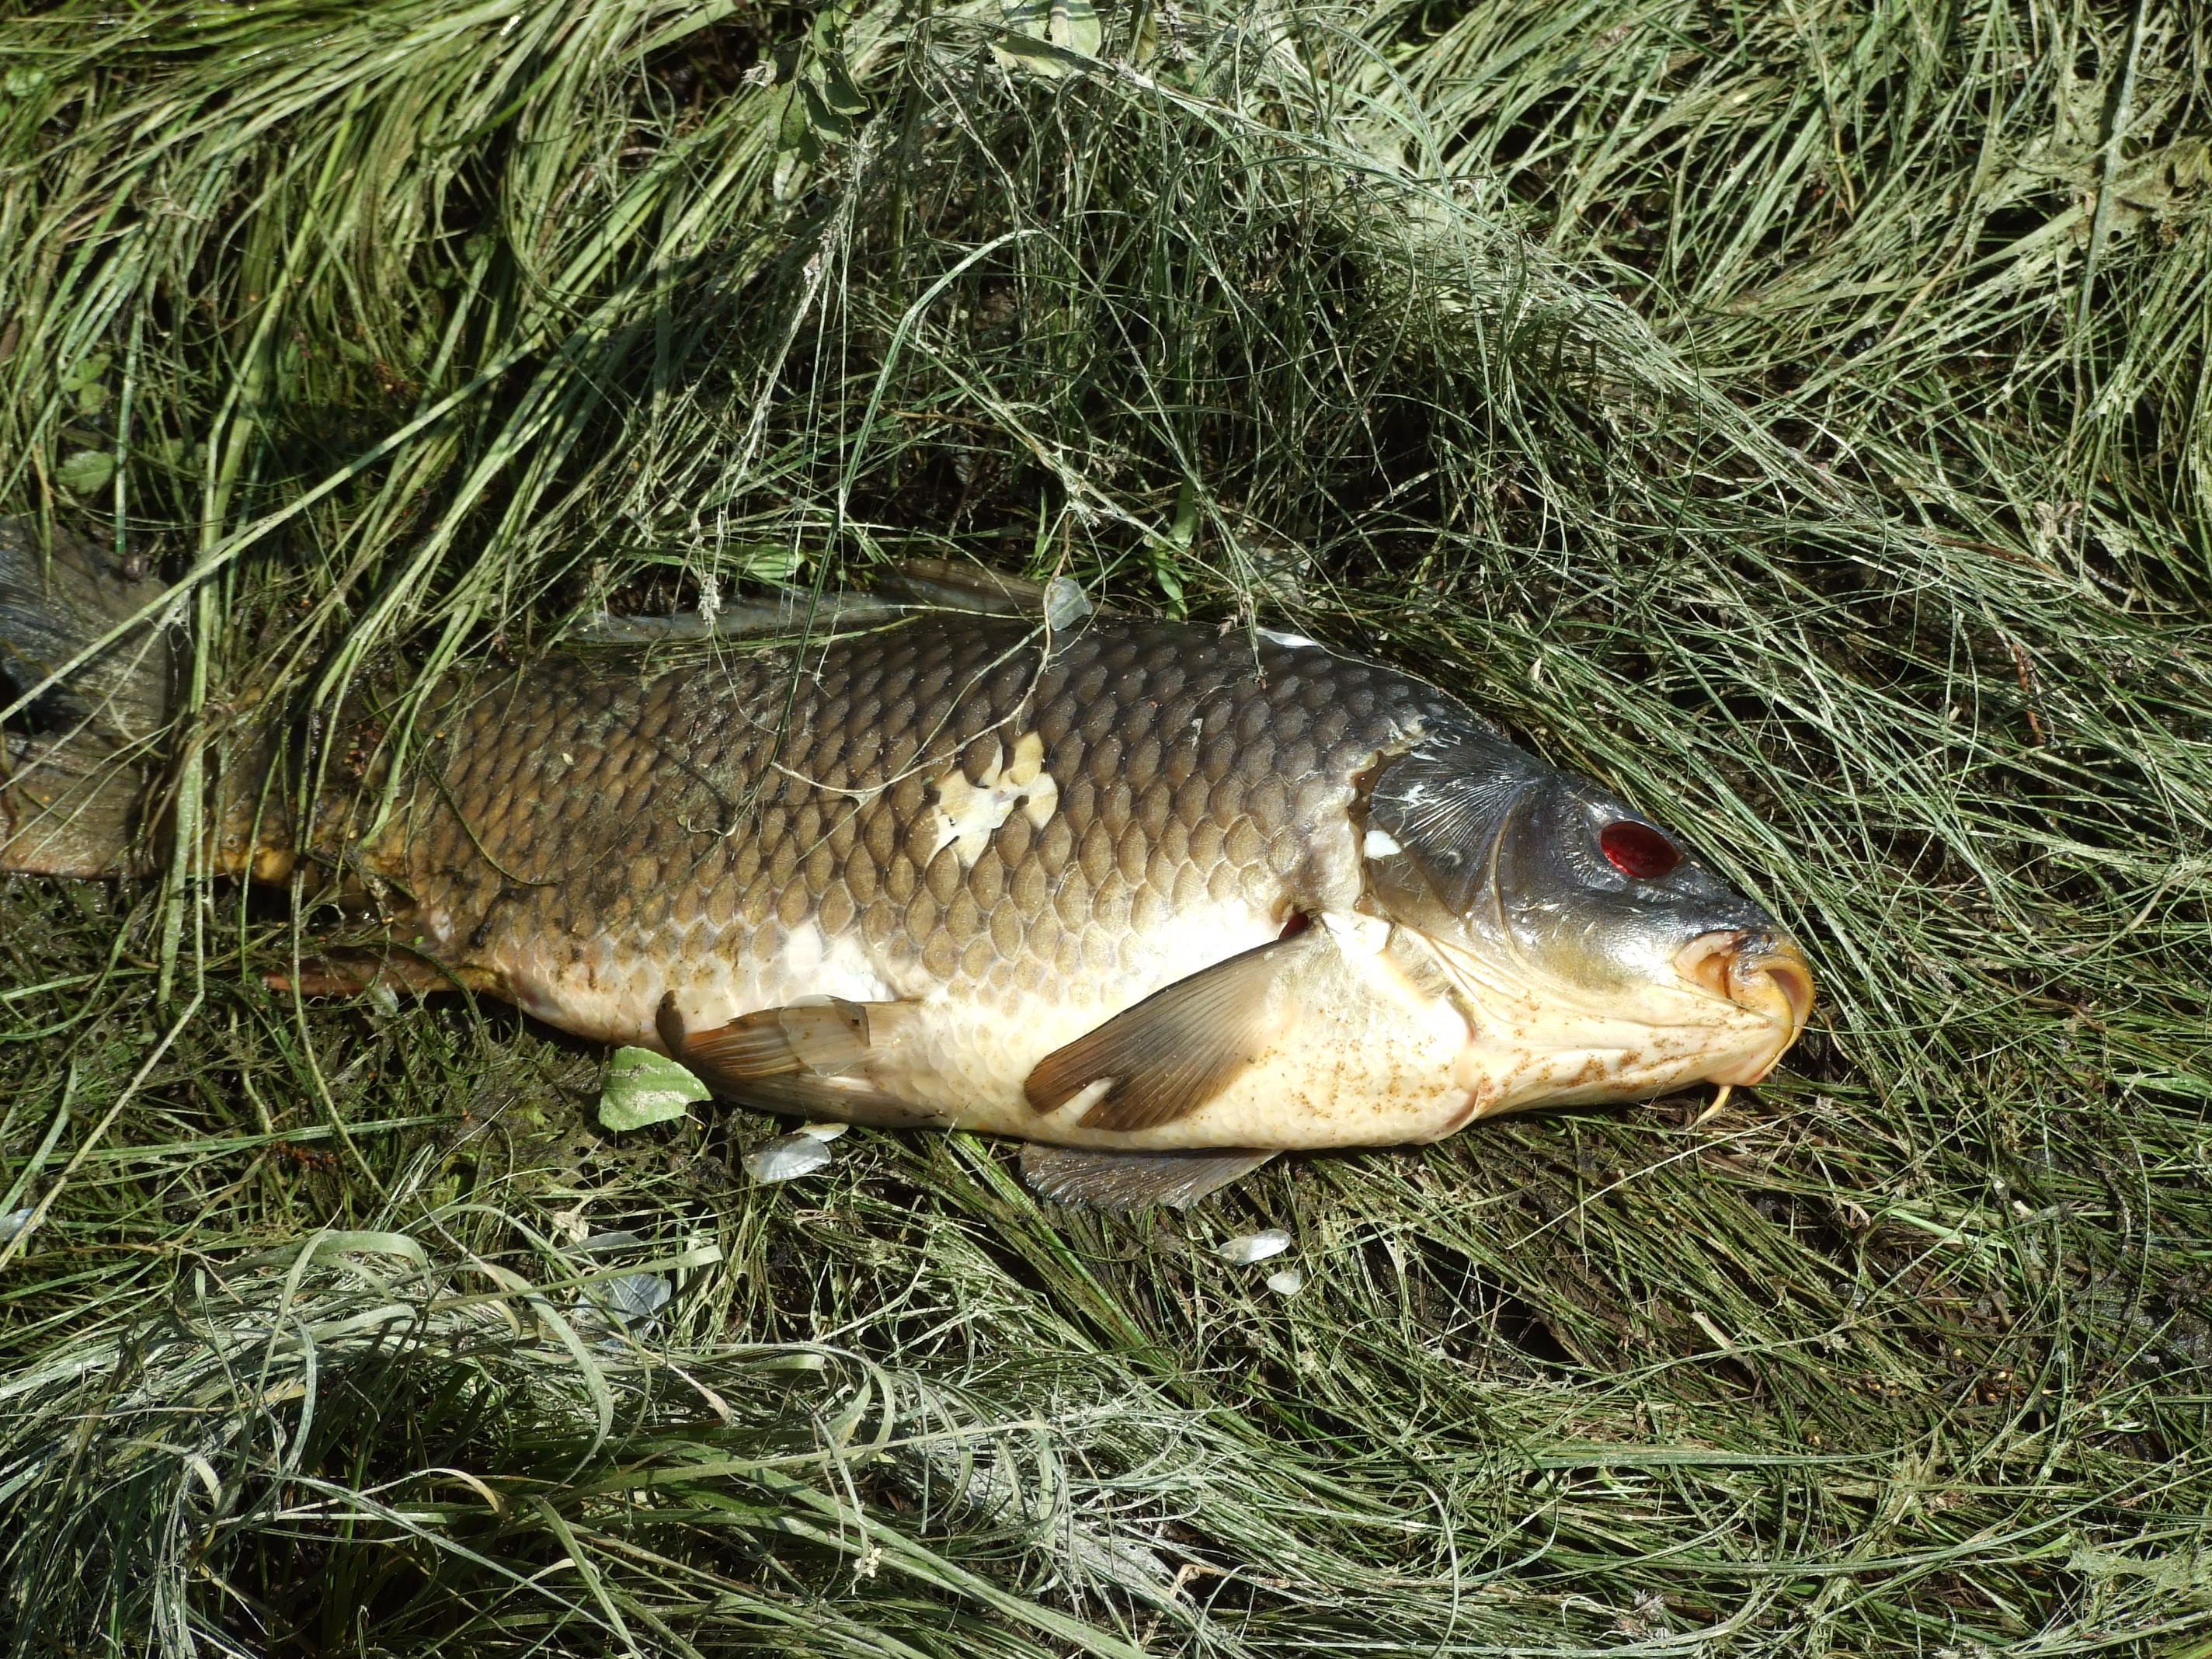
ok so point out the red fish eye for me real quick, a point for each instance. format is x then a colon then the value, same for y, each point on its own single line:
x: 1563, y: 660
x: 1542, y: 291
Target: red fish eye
x: 1638, y: 850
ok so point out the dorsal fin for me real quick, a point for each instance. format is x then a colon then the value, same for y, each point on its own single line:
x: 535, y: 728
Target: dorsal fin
x: 948, y: 586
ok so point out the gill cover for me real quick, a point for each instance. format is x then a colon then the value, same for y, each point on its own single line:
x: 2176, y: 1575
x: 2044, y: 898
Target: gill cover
x: 1488, y: 849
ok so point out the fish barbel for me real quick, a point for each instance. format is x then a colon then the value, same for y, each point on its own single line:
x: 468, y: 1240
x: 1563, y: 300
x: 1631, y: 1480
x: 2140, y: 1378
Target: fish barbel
x: 1159, y: 899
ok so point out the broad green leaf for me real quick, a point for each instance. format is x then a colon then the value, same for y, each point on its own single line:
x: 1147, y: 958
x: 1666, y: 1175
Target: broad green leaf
x: 793, y: 131
x: 838, y: 91
x: 644, y: 1087
x: 86, y: 471
x: 1075, y: 26
x: 823, y: 115
x: 86, y: 371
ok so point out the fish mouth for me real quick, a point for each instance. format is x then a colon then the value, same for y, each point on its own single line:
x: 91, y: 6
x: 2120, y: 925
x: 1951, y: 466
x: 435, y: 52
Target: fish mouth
x: 1762, y: 973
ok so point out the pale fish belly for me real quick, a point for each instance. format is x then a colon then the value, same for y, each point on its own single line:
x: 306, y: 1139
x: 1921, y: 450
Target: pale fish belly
x: 1368, y: 1062
x: 960, y: 1053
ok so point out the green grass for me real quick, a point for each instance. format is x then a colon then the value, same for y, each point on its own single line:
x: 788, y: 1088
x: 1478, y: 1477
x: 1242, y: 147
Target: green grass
x: 1794, y: 415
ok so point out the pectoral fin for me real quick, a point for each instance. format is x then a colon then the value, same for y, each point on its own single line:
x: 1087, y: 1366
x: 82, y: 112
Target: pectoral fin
x: 1130, y: 1181
x: 1170, y: 1053
x: 792, y: 1060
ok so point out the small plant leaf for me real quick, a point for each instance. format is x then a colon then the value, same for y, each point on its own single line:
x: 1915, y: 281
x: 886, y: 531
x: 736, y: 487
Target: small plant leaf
x: 86, y: 371
x: 838, y: 92
x: 87, y: 471
x: 1075, y: 26
x: 794, y: 131
x: 644, y: 1087
x: 823, y: 114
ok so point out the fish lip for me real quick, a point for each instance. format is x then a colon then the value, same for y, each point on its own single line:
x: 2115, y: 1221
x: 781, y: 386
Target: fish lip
x: 1759, y: 971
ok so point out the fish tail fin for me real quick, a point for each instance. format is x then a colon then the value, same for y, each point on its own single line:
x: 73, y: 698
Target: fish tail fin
x: 76, y: 760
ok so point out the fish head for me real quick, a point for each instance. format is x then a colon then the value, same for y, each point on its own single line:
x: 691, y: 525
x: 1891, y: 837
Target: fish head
x: 1601, y: 960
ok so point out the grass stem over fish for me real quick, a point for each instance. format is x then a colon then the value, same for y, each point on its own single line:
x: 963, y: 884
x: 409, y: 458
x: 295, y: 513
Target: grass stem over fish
x: 1158, y: 900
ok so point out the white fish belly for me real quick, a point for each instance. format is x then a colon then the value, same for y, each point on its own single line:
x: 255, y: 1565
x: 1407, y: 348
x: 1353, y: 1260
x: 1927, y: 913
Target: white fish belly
x: 1366, y: 1060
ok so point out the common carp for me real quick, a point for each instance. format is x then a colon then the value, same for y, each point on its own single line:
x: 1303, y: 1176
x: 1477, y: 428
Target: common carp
x: 1159, y: 899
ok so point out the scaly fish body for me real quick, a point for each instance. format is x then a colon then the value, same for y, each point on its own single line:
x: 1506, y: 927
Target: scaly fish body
x: 1007, y: 845
x: 1134, y: 887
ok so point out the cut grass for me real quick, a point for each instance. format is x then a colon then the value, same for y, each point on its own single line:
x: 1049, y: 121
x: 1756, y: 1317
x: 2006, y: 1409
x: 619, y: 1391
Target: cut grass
x: 1795, y: 417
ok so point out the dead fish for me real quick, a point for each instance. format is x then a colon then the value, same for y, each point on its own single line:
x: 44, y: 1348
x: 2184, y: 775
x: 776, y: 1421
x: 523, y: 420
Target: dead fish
x: 1160, y: 901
